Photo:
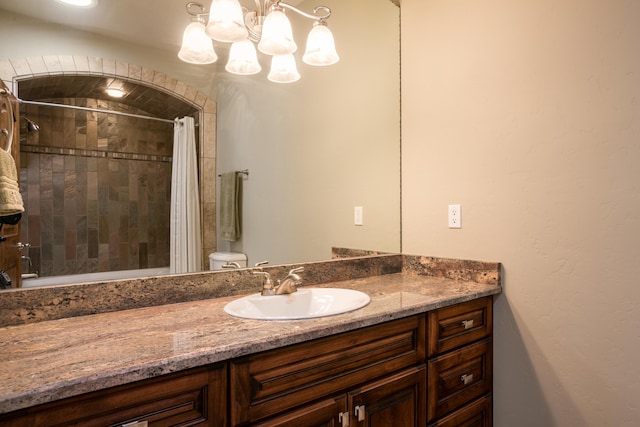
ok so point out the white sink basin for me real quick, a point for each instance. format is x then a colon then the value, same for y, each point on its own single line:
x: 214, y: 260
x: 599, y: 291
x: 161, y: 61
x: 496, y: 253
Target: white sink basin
x: 306, y: 303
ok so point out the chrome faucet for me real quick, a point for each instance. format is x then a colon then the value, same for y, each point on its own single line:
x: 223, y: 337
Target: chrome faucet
x: 287, y: 286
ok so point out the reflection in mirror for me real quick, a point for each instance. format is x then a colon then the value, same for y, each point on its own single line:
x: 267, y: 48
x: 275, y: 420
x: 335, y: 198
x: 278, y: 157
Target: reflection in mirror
x: 315, y: 149
x: 96, y: 185
x: 320, y: 147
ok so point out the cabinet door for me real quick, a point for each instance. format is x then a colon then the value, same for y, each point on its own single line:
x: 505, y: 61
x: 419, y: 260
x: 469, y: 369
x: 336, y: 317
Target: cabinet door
x: 398, y: 400
x: 190, y: 398
x: 326, y: 413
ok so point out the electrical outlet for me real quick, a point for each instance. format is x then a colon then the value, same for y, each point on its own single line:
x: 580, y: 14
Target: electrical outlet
x: 357, y: 215
x: 455, y: 218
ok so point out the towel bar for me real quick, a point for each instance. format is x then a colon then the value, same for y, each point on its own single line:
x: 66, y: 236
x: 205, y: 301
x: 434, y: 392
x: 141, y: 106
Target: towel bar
x: 244, y: 172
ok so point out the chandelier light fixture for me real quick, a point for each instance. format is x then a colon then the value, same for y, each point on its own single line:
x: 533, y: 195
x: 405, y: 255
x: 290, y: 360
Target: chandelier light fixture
x: 267, y: 26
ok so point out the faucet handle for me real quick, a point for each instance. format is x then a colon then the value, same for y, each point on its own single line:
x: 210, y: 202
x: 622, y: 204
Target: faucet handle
x: 267, y: 283
x: 261, y: 263
x: 267, y: 276
x: 296, y: 270
x: 231, y: 264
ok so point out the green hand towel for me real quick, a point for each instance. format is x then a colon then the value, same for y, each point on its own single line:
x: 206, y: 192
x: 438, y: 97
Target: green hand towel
x: 231, y: 206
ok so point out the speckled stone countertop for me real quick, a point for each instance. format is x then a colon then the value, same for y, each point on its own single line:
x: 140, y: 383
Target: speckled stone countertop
x: 46, y: 361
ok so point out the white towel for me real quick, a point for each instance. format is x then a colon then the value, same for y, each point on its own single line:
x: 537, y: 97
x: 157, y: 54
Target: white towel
x: 10, y: 197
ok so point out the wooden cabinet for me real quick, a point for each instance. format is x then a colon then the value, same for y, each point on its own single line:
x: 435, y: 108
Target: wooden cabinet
x: 196, y: 397
x: 274, y: 382
x: 460, y: 365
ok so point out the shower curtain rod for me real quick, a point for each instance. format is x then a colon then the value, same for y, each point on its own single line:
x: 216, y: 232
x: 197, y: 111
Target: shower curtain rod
x: 97, y: 110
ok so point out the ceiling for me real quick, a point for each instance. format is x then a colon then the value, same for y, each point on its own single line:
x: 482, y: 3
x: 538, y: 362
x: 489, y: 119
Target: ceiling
x: 157, y: 23
x: 58, y: 88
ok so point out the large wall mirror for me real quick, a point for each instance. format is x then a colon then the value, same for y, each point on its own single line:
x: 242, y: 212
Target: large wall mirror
x: 320, y: 148
x: 315, y: 150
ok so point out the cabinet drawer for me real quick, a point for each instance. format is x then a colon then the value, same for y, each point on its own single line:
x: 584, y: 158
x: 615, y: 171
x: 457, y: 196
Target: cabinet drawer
x: 194, y: 397
x: 460, y: 324
x: 272, y: 382
x: 475, y: 414
x: 458, y: 377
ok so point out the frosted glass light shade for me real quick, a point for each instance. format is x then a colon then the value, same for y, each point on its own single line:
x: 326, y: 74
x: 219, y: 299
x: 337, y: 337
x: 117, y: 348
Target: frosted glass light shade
x: 226, y: 23
x: 197, y: 47
x: 80, y: 3
x: 243, y: 59
x: 277, y: 37
x: 321, y: 48
x: 283, y: 69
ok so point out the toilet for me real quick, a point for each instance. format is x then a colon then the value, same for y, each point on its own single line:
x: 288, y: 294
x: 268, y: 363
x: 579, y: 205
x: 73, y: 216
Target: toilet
x: 218, y: 259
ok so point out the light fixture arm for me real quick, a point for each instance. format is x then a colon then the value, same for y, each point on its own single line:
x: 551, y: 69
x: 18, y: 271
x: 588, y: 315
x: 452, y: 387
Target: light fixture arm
x: 326, y: 11
x: 262, y: 8
x: 197, y: 11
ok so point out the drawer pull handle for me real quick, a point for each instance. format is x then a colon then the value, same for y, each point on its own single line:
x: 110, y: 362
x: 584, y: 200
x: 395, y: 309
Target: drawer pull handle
x: 360, y: 413
x: 467, y: 324
x: 343, y: 419
x: 466, y: 378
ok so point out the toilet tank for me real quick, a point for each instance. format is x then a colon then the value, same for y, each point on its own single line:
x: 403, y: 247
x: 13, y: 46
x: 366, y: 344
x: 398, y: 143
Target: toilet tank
x: 218, y: 259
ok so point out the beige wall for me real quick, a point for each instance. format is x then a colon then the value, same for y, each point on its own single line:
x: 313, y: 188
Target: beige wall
x: 528, y: 115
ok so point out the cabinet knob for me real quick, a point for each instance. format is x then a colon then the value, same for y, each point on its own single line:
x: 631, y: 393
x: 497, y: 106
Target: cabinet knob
x: 467, y: 324
x: 466, y: 378
x: 343, y: 419
x: 359, y: 412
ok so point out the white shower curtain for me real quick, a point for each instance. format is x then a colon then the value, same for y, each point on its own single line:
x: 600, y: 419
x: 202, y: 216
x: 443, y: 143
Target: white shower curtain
x: 186, y: 238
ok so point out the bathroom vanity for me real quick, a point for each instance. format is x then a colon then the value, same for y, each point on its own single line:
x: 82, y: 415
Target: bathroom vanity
x: 419, y: 354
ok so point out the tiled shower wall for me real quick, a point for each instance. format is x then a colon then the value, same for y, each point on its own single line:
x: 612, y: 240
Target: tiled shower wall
x: 96, y: 189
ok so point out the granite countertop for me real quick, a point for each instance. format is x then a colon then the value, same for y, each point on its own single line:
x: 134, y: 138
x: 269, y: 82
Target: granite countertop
x: 51, y: 360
